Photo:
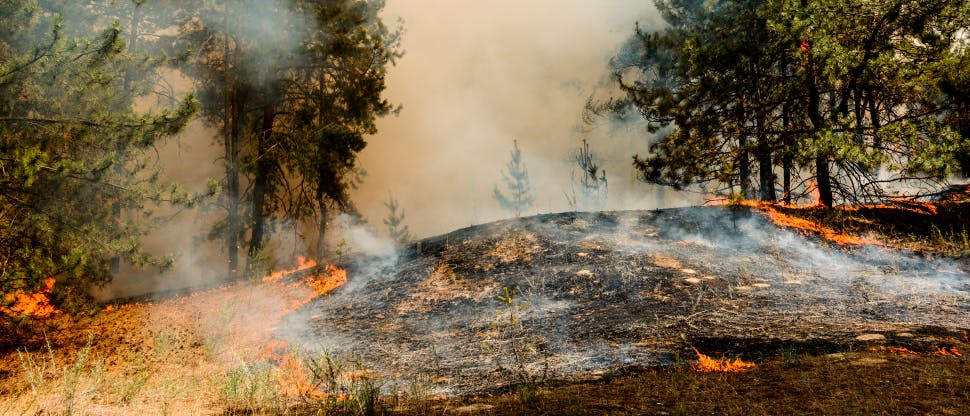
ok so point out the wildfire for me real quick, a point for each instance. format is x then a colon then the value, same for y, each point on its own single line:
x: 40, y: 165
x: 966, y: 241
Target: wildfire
x: 34, y: 305
x: 952, y: 351
x: 897, y: 350
x: 302, y: 264
x: 319, y: 283
x: 805, y: 226
x: 707, y: 364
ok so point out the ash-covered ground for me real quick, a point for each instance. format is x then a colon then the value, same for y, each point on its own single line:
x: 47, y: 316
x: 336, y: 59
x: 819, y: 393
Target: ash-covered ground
x: 599, y: 292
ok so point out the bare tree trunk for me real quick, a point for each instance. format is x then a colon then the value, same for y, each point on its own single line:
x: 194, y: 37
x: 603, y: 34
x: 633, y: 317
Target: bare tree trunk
x: 260, y: 182
x: 787, y: 156
x: 321, y: 249
x: 766, y: 174
x: 231, y: 128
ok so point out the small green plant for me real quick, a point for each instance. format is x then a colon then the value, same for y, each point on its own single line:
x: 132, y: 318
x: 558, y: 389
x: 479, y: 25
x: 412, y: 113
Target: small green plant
x: 337, y: 390
x: 528, y: 381
x: 251, y: 387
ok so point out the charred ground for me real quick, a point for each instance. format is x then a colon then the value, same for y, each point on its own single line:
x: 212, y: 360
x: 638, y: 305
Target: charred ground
x: 602, y: 292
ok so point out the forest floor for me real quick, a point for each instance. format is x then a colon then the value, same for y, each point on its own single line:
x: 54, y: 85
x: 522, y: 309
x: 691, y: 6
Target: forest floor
x: 820, y: 311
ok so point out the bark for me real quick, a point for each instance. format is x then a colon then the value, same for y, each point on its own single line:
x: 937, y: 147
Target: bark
x: 115, y: 265
x: 822, y: 176
x: 743, y: 161
x: 321, y: 231
x: 787, y: 157
x: 231, y: 128
x: 260, y: 183
x: 766, y: 174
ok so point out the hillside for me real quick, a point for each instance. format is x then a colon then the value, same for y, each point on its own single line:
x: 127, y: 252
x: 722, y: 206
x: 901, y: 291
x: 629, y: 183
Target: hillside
x: 534, y: 306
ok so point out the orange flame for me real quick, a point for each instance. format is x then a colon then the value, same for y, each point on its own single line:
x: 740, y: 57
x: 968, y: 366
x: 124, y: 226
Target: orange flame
x: 707, y: 364
x: 802, y: 225
x: 320, y: 284
x: 34, y: 305
x: 952, y: 351
x: 302, y: 264
x: 897, y: 350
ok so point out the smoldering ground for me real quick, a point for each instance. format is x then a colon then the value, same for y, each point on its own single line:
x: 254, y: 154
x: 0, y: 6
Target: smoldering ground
x: 605, y: 291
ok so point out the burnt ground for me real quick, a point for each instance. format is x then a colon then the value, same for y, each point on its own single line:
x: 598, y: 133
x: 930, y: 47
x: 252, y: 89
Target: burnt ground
x: 606, y: 292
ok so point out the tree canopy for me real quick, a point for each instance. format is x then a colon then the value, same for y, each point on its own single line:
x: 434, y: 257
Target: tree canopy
x: 293, y: 87
x: 859, y: 100
x: 72, y: 148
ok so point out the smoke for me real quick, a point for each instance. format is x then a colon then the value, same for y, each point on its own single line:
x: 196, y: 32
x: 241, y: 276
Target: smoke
x: 476, y: 76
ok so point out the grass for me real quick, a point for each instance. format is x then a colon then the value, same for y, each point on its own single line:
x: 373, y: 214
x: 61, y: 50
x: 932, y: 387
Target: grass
x: 190, y: 368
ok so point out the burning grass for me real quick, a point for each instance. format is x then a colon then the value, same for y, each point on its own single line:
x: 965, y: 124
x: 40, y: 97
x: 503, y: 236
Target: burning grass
x: 177, y: 356
x: 706, y: 364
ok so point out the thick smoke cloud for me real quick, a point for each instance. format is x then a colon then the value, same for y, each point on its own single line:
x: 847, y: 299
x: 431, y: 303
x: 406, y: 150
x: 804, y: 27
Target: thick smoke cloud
x: 476, y: 76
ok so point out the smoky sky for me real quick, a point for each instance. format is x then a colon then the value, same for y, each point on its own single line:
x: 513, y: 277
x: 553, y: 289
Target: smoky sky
x: 477, y: 75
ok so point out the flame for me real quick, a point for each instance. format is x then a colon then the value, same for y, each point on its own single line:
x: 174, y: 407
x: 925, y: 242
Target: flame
x: 707, y: 364
x: 34, y: 305
x: 319, y: 283
x: 952, y: 351
x: 802, y: 225
x: 897, y: 350
x: 302, y: 264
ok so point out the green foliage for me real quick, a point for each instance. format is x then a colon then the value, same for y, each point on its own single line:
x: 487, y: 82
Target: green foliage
x: 294, y: 96
x: 395, y: 222
x: 842, y: 93
x: 516, y: 179
x: 73, y: 152
x: 528, y: 381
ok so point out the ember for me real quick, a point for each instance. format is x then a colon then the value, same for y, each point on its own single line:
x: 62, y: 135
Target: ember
x: 897, y: 350
x: 707, y: 364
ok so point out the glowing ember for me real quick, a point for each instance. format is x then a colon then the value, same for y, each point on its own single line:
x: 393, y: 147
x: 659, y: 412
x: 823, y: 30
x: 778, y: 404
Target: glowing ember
x: 897, y: 350
x: 952, y: 351
x: 34, y: 305
x: 707, y: 364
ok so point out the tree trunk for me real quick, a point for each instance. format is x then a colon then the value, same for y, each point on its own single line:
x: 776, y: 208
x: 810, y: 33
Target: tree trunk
x: 743, y: 161
x: 321, y: 232
x: 787, y: 156
x: 115, y: 265
x: 260, y: 182
x: 231, y: 120
x: 822, y: 176
x: 766, y: 174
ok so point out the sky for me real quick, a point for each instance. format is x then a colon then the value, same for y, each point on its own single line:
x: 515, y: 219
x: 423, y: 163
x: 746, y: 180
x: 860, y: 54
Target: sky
x: 477, y: 75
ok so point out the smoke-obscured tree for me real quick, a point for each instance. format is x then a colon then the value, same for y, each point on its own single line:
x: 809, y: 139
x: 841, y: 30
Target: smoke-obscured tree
x: 242, y: 53
x: 332, y: 103
x: 848, y: 93
x: 593, y: 187
x: 294, y: 87
x: 72, y: 149
x: 516, y: 178
x: 396, y: 229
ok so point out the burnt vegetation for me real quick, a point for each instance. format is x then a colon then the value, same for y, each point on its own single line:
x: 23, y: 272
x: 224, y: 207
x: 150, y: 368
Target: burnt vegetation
x: 857, y: 303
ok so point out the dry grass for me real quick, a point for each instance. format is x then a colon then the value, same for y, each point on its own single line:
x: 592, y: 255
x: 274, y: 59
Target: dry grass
x: 207, y: 354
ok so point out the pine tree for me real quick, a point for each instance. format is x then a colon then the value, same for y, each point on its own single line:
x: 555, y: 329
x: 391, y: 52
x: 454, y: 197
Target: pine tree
x: 516, y: 179
x: 72, y: 149
x: 396, y: 228
x: 835, y: 92
x: 593, y: 187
